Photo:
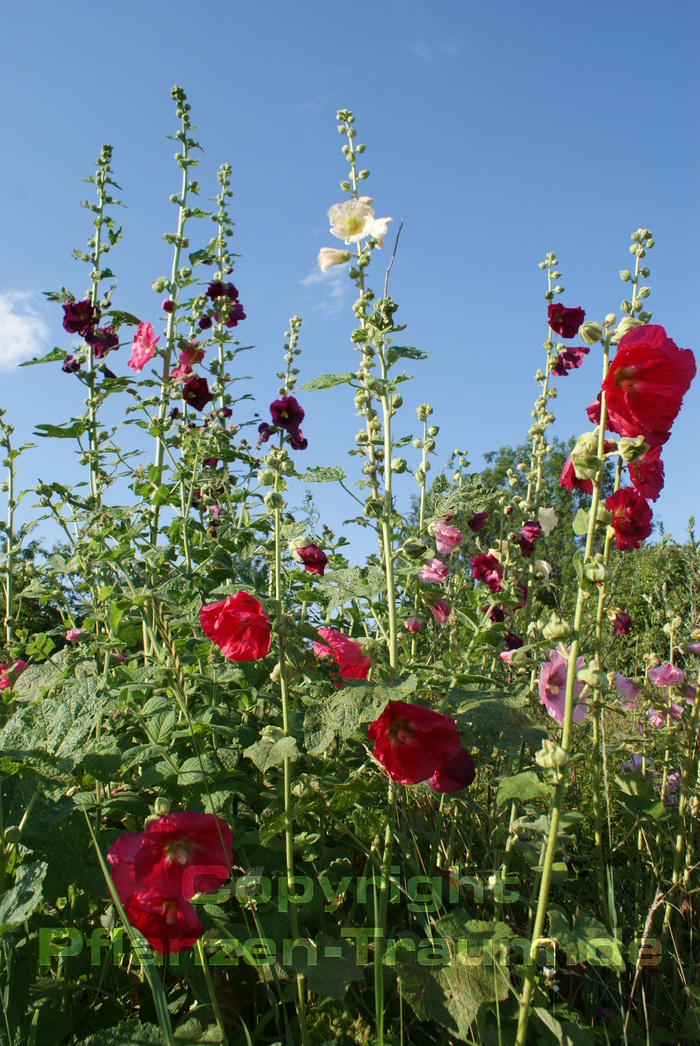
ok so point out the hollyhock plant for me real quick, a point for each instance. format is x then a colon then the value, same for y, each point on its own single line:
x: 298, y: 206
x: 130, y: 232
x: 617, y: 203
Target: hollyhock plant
x: 167, y: 923
x: 529, y: 534
x: 433, y: 572
x: 548, y: 520
x: 353, y: 220
x: 476, y: 523
x: 287, y: 414
x: 70, y: 365
x: 412, y: 743
x: 661, y: 718
x: 673, y: 783
x: 298, y: 440
x: 143, y: 347
x: 74, y: 634
x: 496, y: 613
x: 569, y: 479
x: 486, y: 568
x: 239, y: 626
x: 646, y: 383
x: 440, y: 609
x: 313, y: 558
x: 512, y: 641
x: 447, y: 538
x: 8, y: 676
x: 565, y: 322
x: 219, y: 289
x: 631, y: 518
x: 346, y: 652
x: 552, y: 686
x: 78, y: 316
x: 414, y: 625
x: 233, y: 315
x: 455, y: 775
x: 666, y: 675
x: 196, y: 392
x: 647, y: 474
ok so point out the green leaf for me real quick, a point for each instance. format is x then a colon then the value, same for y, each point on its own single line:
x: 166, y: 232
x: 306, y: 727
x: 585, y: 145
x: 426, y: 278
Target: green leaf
x: 198, y: 256
x: 128, y: 1033
x: 407, y: 352
x: 120, y: 318
x: 332, y: 968
x: 329, y: 381
x: 270, y: 752
x: 580, y: 524
x: 495, y: 719
x: 72, y: 431
x: 566, y: 1033
x: 22, y: 900
x: 319, y: 474
x: 51, y: 357
x: 522, y: 786
x: 587, y: 941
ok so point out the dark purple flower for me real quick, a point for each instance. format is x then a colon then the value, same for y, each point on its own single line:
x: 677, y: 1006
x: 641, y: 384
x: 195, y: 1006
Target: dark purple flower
x: 512, y: 641
x: 168, y: 305
x: 570, y: 359
x: 486, y: 568
x: 264, y: 430
x: 204, y: 323
x: 621, y: 622
x: 78, y: 316
x: 286, y: 413
x: 299, y: 442
x: 226, y: 412
x: 174, y: 413
x: 528, y: 535
x: 233, y: 315
x: 565, y: 322
x: 211, y: 462
x: 477, y: 521
x: 218, y: 289
x: 196, y: 393
x: 70, y: 365
x: 497, y: 613
x: 454, y: 775
x: 102, y: 340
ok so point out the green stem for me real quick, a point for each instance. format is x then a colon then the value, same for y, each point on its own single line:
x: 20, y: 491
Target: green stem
x: 381, y: 913
x: 387, y: 532
x: 210, y: 990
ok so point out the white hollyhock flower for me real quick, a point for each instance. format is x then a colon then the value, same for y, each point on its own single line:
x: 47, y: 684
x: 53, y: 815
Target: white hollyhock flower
x: 548, y: 520
x: 328, y: 256
x: 351, y: 220
x: 377, y: 229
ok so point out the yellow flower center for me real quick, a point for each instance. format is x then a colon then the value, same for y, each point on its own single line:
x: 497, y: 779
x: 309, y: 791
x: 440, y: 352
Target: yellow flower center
x: 179, y: 851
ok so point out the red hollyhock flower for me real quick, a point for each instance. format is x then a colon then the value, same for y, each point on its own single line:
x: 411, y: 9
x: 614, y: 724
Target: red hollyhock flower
x: 497, y: 613
x: 621, y: 622
x: 570, y: 359
x: 569, y: 479
x: 313, y: 558
x: 78, y: 316
x: 646, y: 383
x: 477, y: 521
x: 286, y: 413
x: 529, y: 534
x: 631, y: 518
x: 647, y: 474
x: 196, y: 392
x: 440, y: 609
x: 346, y: 653
x: 167, y: 923
x: 412, y: 743
x: 512, y: 641
x: 565, y: 322
x: 455, y: 775
x: 487, y: 569
x: 239, y: 626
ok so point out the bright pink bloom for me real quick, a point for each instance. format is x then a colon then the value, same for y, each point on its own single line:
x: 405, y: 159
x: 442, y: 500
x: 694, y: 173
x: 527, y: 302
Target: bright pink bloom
x: 239, y: 626
x: 143, y: 347
x: 477, y: 521
x: 433, y: 572
x: 646, y: 383
x: 187, y: 357
x: 487, y: 569
x: 346, y: 653
x: 414, y: 624
x: 440, y: 609
x: 529, y: 534
x: 313, y: 558
x: 447, y: 538
x: 8, y: 676
x: 565, y: 322
x: 455, y: 775
x: 666, y: 675
x: 631, y: 518
x: 569, y: 479
x: 626, y: 688
x: 74, y: 634
x: 647, y: 474
x: 553, y: 686
x: 412, y: 742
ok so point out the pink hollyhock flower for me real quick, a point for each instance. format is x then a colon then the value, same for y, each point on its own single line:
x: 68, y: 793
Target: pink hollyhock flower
x: 414, y: 624
x: 690, y: 692
x: 673, y: 783
x: 529, y: 534
x: 143, y: 347
x: 74, y: 634
x: 569, y: 479
x: 646, y: 383
x: 412, y: 743
x: 486, y: 568
x: 565, y: 322
x: 626, y: 688
x: 238, y: 626
x: 78, y: 316
x: 570, y: 359
x: 553, y: 686
x: 447, y: 538
x: 507, y: 656
x: 187, y: 357
x: 313, y: 558
x: 631, y: 518
x: 637, y: 765
x: 8, y: 676
x: 346, y: 653
x: 433, y: 572
x: 666, y: 675
x: 647, y: 474
x: 621, y: 622
x: 693, y: 648
x: 196, y: 392
x: 659, y: 718
x: 477, y: 521
x: 440, y: 609
x: 455, y: 775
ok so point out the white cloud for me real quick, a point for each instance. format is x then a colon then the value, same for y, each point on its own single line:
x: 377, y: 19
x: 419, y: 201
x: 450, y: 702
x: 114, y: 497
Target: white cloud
x: 23, y: 331
x: 337, y: 290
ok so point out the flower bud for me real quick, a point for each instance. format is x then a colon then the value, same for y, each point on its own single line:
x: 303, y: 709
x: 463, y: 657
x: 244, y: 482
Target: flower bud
x: 584, y: 456
x: 274, y: 500
x: 289, y: 673
x: 625, y: 324
x: 266, y: 478
x: 398, y: 465
x: 161, y: 807
x: 397, y: 401
x: 625, y: 275
x: 609, y: 319
x: 374, y: 508
x: 345, y: 185
x: 593, y: 676
x: 160, y: 284
x: 414, y: 548
x: 424, y: 411
x: 595, y: 570
x: 552, y: 756
x: 590, y: 333
x: 632, y: 449
x: 433, y: 430
x: 11, y: 835
x: 559, y: 289
x: 556, y: 629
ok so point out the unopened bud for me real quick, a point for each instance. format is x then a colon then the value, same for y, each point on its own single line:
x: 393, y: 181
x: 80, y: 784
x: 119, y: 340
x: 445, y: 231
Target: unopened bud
x: 398, y: 465
x: 266, y: 478
x: 590, y: 333
x: 161, y: 807
x: 593, y: 676
x: 632, y: 449
x: 424, y: 411
x: 556, y: 629
x: 274, y: 500
x: 289, y: 673
x: 414, y: 548
x: 595, y: 570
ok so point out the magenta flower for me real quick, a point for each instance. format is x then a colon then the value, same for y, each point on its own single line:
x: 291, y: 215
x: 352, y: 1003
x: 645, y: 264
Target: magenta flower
x: 565, y: 322
x: 621, y: 622
x: 477, y: 521
x: 553, y: 686
x: 666, y: 675
x: 217, y: 289
x: 8, y: 676
x: 143, y: 347
x: 70, y: 365
x: 512, y: 641
x: 433, y: 572
x: 414, y: 624
x: 346, y: 652
x: 529, y: 534
x: 78, y: 316
x: 454, y: 775
x: 447, y: 538
x: 313, y: 558
x: 74, y: 634
x: 487, y: 569
x: 102, y: 340
x: 626, y: 688
x: 570, y: 359
x: 440, y: 610
x: 569, y: 479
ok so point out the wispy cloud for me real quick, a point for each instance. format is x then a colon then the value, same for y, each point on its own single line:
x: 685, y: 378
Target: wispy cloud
x: 23, y: 331
x: 332, y: 290
x: 436, y: 47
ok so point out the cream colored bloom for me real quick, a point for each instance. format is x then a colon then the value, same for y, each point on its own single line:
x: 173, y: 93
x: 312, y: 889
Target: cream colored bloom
x: 328, y: 256
x: 543, y: 570
x: 377, y: 229
x: 350, y: 220
x: 548, y: 520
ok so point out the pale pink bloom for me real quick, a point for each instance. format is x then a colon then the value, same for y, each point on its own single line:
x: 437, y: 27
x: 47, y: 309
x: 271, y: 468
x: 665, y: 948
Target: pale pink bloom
x: 693, y: 648
x: 552, y: 686
x: 433, y: 572
x: 507, y: 656
x: 626, y: 688
x: 447, y: 538
x: 440, y: 610
x: 690, y: 692
x: 673, y: 783
x: 659, y: 718
x: 666, y: 675
x: 143, y: 348
x: 414, y: 624
x: 74, y: 634
x: 328, y: 256
x: 636, y: 765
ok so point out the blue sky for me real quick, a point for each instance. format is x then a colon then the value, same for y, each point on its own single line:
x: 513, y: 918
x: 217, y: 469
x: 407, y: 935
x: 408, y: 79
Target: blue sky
x: 500, y: 130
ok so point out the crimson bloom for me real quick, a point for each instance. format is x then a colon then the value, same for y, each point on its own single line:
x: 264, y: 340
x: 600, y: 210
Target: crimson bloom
x: 631, y: 518
x: 346, y: 653
x: 239, y: 626
x: 565, y: 322
x: 78, y: 316
x: 621, y: 622
x: 570, y: 359
x: 647, y: 474
x: 486, y: 568
x: 569, y: 479
x: 196, y: 392
x: 646, y: 383
x: 412, y: 743
x: 454, y: 775
x: 313, y: 558
x: 167, y: 923
x: 477, y: 521
x: 529, y: 534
